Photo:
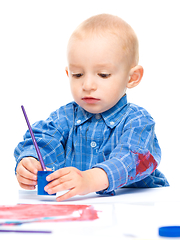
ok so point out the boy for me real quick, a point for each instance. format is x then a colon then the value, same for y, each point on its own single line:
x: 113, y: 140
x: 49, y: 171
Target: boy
x: 98, y: 143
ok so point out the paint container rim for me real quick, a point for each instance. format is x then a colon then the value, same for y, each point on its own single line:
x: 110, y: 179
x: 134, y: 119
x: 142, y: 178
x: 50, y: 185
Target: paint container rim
x: 169, y: 231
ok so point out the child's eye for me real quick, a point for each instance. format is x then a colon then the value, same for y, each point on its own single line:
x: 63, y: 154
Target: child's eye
x: 104, y: 75
x: 77, y: 75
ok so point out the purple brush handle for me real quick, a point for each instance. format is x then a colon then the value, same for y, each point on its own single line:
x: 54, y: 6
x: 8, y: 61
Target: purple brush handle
x: 23, y: 231
x: 34, y: 140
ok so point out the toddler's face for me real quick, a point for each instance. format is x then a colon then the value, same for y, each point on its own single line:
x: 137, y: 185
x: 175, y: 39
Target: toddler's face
x: 98, y: 72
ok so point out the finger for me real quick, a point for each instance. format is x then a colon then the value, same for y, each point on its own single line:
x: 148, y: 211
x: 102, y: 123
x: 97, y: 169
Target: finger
x: 70, y: 194
x: 26, y: 181
x: 59, y: 181
x: 58, y: 174
x: 23, y: 172
x: 37, y: 166
x: 48, y: 169
x: 27, y: 187
x: 27, y: 165
x: 31, y: 164
x: 60, y: 187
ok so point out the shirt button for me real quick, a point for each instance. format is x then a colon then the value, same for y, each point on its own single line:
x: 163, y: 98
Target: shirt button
x: 112, y: 123
x: 93, y: 144
x: 97, y: 116
x: 78, y: 121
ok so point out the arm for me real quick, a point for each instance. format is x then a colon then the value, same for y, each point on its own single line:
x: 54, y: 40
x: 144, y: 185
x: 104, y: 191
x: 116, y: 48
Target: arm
x: 136, y: 155
x: 50, y: 136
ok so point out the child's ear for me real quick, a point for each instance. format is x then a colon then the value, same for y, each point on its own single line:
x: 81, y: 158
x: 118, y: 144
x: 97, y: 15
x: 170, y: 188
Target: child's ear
x: 66, y: 69
x: 135, y: 76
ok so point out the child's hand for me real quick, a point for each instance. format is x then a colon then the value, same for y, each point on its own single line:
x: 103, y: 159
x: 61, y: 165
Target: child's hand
x: 76, y: 181
x: 26, y: 172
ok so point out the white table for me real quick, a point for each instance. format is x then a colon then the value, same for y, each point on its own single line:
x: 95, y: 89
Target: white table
x: 130, y: 214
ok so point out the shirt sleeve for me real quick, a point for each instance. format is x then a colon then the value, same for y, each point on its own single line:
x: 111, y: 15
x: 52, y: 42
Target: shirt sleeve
x: 136, y: 155
x: 51, y: 136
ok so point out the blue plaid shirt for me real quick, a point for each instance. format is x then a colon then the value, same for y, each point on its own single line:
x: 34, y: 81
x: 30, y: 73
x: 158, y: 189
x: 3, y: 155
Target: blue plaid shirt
x: 121, y: 141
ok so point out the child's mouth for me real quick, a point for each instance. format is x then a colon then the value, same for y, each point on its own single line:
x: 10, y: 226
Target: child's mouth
x: 90, y: 100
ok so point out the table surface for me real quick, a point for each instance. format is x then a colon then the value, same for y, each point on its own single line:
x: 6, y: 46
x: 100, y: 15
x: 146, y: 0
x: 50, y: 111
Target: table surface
x: 130, y: 214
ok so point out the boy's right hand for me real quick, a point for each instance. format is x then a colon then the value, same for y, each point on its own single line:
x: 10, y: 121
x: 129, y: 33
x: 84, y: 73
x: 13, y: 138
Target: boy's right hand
x: 26, y: 172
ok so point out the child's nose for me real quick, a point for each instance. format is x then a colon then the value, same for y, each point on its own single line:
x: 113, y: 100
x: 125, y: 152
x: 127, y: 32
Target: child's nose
x: 89, y: 84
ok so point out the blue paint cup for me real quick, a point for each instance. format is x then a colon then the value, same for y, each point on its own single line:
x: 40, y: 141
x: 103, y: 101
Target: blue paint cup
x: 42, y: 182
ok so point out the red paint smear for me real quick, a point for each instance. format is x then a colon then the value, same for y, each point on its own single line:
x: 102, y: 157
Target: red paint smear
x: 144, y: 162
x: 40, y: 211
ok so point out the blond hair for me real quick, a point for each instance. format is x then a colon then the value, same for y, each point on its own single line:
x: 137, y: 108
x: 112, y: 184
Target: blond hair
x: 104, y: 24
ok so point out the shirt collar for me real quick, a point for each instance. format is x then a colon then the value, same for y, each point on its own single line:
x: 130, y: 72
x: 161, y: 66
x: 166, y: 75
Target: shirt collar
x: 82, y: 116
x: 112, y: 117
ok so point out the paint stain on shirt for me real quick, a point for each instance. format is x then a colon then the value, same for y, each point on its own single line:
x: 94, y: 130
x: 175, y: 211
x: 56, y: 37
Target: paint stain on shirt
x: 144, y: 162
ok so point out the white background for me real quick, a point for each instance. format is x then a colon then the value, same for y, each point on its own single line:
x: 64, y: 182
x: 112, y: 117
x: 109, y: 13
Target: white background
x: 33, y: 40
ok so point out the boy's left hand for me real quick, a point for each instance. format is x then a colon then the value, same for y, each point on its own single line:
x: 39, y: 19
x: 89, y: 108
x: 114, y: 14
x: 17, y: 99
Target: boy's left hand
x: 68, y: 178
x: 76, y: 181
